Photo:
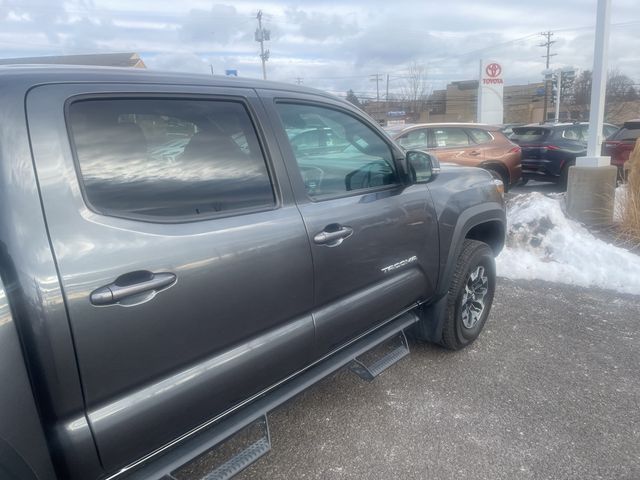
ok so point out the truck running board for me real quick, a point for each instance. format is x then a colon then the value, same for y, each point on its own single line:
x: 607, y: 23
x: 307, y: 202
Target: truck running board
x: 231, y: 456
x: 394, y: 349
x: 194, y: 456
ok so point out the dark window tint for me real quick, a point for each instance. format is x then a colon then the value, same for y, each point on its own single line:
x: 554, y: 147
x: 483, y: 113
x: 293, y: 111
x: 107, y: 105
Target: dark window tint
x: 450, y: 137
x: 336, y: 153
x: 529, y: 134
x: 627, y: 133
x: 168, y: 159
x: 414, y: 139
x: 608, y: 130
x: 480, y: 136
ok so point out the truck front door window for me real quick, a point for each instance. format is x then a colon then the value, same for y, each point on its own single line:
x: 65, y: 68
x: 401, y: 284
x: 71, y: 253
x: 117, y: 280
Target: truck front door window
x: 335, y: 152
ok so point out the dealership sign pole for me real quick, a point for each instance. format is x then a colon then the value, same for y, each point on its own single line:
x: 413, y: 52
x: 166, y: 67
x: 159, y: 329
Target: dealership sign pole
x: 592, y: 181
x: 490, y: 89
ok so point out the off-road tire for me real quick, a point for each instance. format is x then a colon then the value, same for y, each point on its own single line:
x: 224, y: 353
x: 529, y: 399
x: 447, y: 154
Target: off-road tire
x: 454, y: 333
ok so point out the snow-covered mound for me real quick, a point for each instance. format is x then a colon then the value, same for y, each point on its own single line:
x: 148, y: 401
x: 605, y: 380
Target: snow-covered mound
x: 542, y: 243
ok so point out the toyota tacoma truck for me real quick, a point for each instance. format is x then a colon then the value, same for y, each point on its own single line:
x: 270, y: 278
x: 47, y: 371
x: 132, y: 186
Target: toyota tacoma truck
x: 181, y: 254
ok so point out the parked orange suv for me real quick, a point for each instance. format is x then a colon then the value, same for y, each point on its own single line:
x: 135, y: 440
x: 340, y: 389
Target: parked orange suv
x: 470, y: 144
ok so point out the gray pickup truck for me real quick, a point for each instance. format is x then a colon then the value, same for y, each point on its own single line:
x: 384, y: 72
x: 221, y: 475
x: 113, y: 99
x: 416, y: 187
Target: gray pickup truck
x: 180, y: 254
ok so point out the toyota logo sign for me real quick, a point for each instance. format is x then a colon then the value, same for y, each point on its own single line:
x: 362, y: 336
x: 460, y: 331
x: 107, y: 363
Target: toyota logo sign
x: 493, y: 70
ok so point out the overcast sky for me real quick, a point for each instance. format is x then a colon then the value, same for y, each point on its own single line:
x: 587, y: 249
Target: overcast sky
x: 328, y: 44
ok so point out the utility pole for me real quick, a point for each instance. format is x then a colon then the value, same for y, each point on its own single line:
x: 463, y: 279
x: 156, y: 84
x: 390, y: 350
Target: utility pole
x: 386, y: 97
x: 377, y: 78
x: 548, y: 55
x: 262, y: 35
x: 211, y: 68
x: 299, y: 80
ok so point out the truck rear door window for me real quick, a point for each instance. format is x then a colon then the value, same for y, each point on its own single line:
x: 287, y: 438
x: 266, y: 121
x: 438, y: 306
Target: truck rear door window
x: 168, y: 159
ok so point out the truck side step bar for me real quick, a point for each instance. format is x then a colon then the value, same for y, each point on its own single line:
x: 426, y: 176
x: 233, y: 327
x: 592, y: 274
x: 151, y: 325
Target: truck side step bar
x: 240, y: 461
x: 181, y: 461
x: 399, y: 349
x: 230, y: 457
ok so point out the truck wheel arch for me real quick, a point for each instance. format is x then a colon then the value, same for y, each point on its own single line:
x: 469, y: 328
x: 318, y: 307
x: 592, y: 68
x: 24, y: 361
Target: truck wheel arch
x: 485, y: 223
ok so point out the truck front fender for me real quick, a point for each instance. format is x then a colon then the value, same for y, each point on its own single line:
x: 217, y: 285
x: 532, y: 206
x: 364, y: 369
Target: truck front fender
x: 489, y: 214
x: 485, y: 222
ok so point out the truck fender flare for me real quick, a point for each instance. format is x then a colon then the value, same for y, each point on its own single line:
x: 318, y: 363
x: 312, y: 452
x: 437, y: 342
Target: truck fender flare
x: 434, y: 313
x: 469, y: 218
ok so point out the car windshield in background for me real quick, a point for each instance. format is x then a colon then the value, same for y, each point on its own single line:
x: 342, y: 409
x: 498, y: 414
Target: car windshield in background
x: 529, y: 134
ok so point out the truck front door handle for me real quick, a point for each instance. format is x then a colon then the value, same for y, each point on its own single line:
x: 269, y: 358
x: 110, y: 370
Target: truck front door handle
x: 332, y: 236
x: 131, y: 284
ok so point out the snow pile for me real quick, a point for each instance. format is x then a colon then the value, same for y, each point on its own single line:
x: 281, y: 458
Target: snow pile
x: 619, y: 202
x: 542, y: 243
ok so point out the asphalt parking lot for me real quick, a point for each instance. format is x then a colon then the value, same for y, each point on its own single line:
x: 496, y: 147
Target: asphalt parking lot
x: 551, y: 390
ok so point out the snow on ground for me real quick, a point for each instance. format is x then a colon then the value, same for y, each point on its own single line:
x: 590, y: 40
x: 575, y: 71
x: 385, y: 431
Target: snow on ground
x: 542, y: 243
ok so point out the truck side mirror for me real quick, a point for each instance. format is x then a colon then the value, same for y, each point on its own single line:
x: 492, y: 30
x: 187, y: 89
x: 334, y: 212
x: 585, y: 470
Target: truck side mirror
x: 423, y: 166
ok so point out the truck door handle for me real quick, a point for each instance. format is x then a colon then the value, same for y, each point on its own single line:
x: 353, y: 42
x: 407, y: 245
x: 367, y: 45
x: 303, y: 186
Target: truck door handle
x: 475, y: 153
x: 333, y: 235
x: 131, y: 284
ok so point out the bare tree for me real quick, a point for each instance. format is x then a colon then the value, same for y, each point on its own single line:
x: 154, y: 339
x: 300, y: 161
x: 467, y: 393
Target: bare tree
x: 620, y: 91
x: 620, y: 88
x: 581, y: 91
x: 415, y: 90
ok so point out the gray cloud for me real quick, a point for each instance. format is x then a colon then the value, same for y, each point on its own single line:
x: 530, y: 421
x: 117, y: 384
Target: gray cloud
x: 321, y: 26
x: 222, y: 24
x: 331, y: 44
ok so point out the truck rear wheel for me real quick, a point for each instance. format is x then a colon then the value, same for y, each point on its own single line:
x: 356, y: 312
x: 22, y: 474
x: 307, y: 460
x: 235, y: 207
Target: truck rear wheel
x: 470, y: 295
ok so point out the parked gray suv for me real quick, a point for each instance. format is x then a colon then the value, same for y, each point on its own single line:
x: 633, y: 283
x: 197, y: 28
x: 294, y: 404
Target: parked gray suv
x: 181, y: 254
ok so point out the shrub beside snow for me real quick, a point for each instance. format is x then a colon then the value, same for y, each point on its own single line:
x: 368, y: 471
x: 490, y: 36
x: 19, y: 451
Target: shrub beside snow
x: 542, y: 243
x: 619, y: 202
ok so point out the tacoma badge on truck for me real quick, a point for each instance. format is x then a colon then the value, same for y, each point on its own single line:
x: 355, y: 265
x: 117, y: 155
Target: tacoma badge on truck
x: 399, y: 264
